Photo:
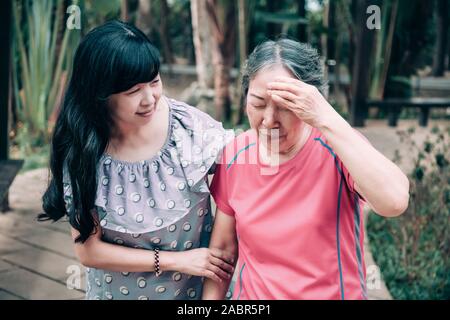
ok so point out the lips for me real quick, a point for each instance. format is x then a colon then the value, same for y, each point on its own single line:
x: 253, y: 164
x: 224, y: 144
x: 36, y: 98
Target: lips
x: 272, y: 134
x: 145, y: 113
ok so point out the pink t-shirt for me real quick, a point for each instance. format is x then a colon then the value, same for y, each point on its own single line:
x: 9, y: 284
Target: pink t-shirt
x: 300, y: 229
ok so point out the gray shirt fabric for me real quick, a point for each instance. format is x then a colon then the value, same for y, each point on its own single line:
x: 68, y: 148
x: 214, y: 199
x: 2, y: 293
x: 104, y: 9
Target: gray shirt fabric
x: 161, y: 202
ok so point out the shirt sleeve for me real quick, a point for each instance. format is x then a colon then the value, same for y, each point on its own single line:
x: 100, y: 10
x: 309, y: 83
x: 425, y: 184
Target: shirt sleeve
x: 219, y: 189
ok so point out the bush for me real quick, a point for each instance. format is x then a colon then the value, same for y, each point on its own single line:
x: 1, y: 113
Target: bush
x: 413, y: 250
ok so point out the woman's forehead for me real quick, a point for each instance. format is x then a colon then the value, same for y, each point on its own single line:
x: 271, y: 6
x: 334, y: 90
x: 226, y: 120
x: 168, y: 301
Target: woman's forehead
x: 269, y: 73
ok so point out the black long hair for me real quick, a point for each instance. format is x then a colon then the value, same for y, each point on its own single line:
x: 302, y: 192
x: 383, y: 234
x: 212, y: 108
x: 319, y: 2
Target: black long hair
x: 111, y: 58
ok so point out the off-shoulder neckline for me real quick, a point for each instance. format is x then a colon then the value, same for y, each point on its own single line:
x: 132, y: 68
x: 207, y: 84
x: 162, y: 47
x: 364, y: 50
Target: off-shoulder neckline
x: 106, y: 155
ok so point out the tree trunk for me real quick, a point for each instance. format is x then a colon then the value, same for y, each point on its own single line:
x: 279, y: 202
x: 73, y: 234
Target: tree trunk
x: 201, y: 35
x: 222, y: 16
x: 144, y: 19
x: 273, y: 29
x: 360, y: 76
x: 124, y: 10
x: 5, y: 60
x: 243, y: 49
x: 222, y: 101
x: 301, y: 28
x: 442, y: 38
x: 331, y: 32
x: 164, y: 33
x: 202, y: 43
x: 388, y: 50
x: 324, y: 37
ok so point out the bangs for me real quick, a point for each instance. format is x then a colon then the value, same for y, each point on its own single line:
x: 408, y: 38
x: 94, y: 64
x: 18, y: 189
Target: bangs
x: 137, y: 62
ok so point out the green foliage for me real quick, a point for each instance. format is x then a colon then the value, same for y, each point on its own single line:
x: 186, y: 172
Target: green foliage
x: 41, y: 47
x: 33, y: 151
x: 96, y: 12
x: 340, y: 109
x: 413, y: 250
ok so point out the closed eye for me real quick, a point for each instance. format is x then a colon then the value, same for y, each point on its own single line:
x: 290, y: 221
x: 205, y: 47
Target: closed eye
x: 134, y: 91
x: 262, y: 106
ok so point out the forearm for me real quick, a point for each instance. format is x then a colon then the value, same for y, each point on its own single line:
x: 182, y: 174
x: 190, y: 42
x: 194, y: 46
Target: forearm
x: 213, y: 290
x: 103, y: 255
x: 379, y: 180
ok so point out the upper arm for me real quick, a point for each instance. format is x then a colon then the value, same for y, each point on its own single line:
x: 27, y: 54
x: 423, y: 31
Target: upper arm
x: 224, y: 232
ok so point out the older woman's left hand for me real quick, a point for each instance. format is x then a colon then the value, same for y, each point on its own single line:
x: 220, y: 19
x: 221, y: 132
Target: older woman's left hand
x: 303, y: 99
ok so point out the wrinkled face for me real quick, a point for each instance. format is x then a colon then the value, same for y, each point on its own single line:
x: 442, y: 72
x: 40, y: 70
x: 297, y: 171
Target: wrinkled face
x: 275, y: 125
x: 137, y: 105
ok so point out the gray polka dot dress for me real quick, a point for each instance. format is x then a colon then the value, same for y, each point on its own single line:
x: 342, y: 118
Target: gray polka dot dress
x: 161, y: 202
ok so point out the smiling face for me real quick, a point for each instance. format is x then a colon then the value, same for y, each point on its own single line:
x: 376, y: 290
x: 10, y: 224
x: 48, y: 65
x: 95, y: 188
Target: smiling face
x: 137, y: 105
x: 274, y: 124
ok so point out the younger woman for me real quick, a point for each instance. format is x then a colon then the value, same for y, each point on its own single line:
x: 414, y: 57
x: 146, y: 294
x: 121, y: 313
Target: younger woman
x: 129, y: 168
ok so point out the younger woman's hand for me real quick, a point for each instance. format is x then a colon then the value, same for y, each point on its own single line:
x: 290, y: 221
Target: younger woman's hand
x: 211, y: 263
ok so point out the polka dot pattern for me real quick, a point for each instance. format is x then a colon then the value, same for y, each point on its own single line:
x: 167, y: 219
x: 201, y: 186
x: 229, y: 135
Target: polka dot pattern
x: 155, y: 203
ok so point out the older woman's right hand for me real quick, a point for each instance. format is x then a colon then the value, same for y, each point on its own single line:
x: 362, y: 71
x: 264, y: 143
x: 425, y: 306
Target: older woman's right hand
x: 211, y: 263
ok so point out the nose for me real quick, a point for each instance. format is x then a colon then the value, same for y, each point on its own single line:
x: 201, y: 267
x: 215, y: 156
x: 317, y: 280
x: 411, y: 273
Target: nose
x: 148, y: 95
x: 270, y: 120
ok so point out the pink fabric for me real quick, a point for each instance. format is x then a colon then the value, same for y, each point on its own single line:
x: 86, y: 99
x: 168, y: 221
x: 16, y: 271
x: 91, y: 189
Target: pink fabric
x: 287, y: 223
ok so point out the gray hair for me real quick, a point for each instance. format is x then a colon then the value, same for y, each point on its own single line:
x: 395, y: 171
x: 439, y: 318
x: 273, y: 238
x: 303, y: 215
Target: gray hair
x: 299, y: 58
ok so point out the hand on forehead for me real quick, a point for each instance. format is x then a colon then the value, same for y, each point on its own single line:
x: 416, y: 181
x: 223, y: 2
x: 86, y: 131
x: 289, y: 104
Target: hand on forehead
x: 286, y: 83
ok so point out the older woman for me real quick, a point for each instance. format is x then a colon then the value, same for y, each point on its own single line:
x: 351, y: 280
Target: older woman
x: 290, y: 191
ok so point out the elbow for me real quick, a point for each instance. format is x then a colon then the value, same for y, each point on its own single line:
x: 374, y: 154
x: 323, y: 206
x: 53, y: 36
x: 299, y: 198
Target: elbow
x: 400, y: 206
x: 397, y: 205
x: 86, y: 255
x: 402, y: 200
x: 85, y: 259
x: 399, y: 202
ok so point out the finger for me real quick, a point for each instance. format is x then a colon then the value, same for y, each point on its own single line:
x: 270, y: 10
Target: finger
x: 291, y: 87
x: 290, y: 80
x: 211, y: 275
x: 221, y: 254
x: 222, y: 264
x: 219, y: 272
x: 284, y: 94
x: 283, y: 102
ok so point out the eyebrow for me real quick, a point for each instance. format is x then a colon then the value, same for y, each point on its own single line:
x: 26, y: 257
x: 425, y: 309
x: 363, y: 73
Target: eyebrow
x: 133, y: 88
x: 256, y: 96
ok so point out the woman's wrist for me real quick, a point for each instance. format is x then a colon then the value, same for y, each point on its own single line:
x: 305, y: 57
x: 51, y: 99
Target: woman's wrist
x: 168, y: 261
x: 330, y: 122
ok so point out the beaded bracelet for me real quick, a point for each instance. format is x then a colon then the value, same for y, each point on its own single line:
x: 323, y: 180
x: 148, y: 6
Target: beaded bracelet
x: 157, y: 269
